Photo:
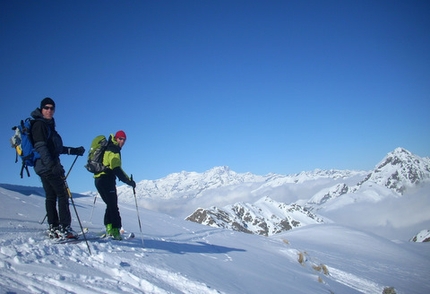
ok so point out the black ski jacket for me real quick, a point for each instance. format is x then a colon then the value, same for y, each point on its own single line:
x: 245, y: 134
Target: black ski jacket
x: 47, y: 142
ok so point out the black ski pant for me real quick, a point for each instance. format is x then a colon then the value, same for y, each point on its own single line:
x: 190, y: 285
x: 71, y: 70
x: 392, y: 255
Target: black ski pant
x: 106, y: 187
x: 55, y: 189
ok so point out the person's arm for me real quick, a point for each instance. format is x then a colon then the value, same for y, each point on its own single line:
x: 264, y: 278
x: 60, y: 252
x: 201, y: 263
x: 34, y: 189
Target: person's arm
x: 119, y: 172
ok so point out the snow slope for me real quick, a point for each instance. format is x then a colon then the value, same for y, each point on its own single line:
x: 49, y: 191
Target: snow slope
x: 183, y: 257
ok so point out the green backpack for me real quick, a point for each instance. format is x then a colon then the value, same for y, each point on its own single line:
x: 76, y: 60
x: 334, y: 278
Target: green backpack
x: 95, y: 155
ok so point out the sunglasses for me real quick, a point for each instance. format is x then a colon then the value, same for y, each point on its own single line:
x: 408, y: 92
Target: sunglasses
x: 121, y: 139
x: 49, y: 107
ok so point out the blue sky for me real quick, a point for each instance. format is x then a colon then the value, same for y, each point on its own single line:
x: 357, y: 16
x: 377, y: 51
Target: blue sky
x: 259, y: 86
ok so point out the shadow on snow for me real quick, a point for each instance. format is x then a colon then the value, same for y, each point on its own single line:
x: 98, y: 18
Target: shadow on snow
x: 183, y: 248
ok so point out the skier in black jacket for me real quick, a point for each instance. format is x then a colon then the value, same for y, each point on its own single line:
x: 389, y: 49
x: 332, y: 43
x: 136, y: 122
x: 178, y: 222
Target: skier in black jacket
x: 49, y: 145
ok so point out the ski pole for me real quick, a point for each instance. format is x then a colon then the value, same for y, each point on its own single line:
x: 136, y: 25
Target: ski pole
x: 43, y: 220
x: 137, y: 211
x: 68, y: 172
x: 70, y: 169
x: 92, y: 210
x: 77, y: 215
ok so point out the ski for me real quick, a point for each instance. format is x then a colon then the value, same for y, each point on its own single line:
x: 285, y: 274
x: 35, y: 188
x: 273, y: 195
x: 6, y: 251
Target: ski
x: 92, y: 237
x: 124, y: 236
x: 76, y: 240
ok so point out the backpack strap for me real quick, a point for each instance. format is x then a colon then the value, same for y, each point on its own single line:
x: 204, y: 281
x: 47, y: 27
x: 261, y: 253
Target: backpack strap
x: 24, y: 166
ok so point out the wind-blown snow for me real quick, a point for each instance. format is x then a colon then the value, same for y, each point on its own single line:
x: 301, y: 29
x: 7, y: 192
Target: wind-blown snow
x: 183, y: 257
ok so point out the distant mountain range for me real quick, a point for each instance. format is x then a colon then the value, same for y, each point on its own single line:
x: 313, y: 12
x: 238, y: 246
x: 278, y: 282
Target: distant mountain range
x: 257, y: 204
x: 399, y: 170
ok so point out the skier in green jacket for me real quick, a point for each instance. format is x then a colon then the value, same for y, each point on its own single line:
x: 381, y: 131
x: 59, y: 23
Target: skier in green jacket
x: 105, y: 183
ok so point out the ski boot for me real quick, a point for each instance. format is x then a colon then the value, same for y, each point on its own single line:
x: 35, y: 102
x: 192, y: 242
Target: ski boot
x: 115, y: 233
x: 109, y: 230
x: 52, y: 232
x: 66, y: 232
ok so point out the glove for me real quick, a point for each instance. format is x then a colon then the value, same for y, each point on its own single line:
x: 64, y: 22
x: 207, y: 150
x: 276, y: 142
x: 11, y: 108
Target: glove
x: 58, y: 170
x: 77, y: 151
x: 132, y: 183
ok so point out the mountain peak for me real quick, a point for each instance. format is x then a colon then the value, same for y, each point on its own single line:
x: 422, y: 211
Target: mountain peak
x: 400, y: 169
x: 400, y: 150
x: 221, y: 168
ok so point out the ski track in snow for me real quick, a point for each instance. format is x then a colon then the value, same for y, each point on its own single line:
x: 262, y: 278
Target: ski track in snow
x: 352, y: 281
x: 105, y: 271
x: 360, y: 284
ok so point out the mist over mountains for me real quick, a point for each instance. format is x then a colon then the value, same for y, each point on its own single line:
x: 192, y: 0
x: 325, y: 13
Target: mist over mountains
x: 391, y: 200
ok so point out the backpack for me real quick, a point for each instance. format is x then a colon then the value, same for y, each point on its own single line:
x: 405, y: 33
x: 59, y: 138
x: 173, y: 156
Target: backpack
x: 95, y: 155
x: 23, y: 144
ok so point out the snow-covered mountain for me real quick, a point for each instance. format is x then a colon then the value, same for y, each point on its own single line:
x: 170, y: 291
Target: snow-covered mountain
x: 195, y: 185
x: 179, y: 194
x: 423, y: 236
x: 265, y: 217
x: 221, y: 186
x: 397, y: 172
x: 223, y: 198
x: 400, y: 170
x: 328, y: 194
x: 192, y: 184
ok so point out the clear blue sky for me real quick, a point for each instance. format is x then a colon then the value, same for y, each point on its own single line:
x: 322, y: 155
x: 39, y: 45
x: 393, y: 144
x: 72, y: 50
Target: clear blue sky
x: 259, y: 86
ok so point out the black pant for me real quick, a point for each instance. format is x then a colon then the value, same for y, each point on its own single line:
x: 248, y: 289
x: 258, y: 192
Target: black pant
x: 106, y: 187
x: 55, y: 188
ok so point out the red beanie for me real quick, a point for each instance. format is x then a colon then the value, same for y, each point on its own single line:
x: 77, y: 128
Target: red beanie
x: 120, y: 134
